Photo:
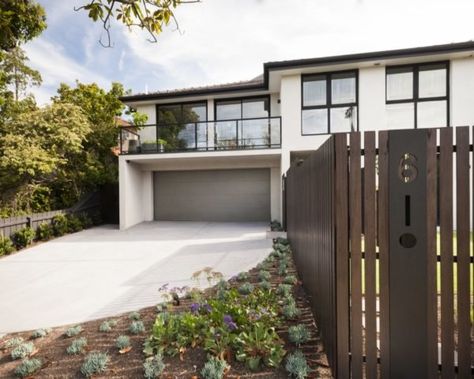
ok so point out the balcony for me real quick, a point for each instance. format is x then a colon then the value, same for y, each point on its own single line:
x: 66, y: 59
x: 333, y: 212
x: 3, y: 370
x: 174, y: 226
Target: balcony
x: 241, y: 134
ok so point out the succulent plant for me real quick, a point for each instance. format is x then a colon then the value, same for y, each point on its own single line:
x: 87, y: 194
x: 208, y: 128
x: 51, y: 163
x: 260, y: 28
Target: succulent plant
x: 77, y: 346
x: 246, y: 288
x: 122, y: 342
x: 136, y: 327
x: 264, y: 275
x: 74, y: 331
x: 290, y: 279
x: 282, y: 268
x: 243, y: 276
x: 134, y: 316
x: 23, y: 350
x: 28, y: 367
x: 40, y: 333
x: 113, y: 323
x: 105, y: 327
x: 153, y: 367
x: 284, y: 290
x: 297, y: 366
x: 265, y: 285
x: 214, y: 368
x: 14, y: 342
x: 290, y: 310
x: 298, y: 334
x: 95, y: 363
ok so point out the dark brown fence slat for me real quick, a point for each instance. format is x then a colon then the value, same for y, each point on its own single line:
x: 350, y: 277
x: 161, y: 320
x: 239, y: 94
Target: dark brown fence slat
x: 342, y: 255
x: 383, y: 242
x: 431, y: 263
x: 355, y: 232
x: 446, y: 231
x: 462, y: 227
x: 369, y: 247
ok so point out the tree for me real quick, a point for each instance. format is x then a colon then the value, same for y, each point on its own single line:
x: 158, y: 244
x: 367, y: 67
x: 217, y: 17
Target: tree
x: 148, y: 15
x: 20, y: 21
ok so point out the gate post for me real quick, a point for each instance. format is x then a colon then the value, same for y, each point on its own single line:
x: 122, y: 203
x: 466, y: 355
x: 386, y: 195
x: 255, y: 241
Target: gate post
x: 408, y: 254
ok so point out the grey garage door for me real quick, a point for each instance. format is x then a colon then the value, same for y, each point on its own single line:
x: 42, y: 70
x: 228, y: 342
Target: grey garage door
x: 214, y: 195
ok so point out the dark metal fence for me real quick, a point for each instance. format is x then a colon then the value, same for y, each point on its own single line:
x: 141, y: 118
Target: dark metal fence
x: 391, y: 287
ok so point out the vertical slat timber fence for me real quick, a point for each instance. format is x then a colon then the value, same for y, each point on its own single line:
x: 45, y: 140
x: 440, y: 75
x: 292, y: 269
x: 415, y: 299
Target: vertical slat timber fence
x: 380, y: 224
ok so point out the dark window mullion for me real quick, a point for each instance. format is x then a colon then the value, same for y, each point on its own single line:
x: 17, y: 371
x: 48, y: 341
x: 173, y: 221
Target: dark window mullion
x: 329, y: 100
x: 415, y: 94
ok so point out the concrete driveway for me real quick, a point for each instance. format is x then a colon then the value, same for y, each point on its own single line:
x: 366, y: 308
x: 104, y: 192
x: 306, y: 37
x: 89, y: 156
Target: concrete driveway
x: 102, y: 271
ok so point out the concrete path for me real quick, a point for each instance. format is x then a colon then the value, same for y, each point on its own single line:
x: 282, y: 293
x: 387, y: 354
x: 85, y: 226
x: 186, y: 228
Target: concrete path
x: 102, y: 271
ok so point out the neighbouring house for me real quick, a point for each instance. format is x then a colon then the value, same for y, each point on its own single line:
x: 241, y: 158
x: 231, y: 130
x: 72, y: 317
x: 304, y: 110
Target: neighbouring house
x: 217, y: 153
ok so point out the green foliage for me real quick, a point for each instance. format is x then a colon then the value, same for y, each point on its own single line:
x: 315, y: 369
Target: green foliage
x: 265, y: 285
x: 44, y: 232
x: 77, y: 346
x: 85, y: 220
x: 28, y: 367
x: 122, y: 342
x: 134, y: 316
x: 290, y: 310
x: 20, y: 21
x: 298, y: 334
x: 40, y: 333
x: 22, y: 351
x: 284, y: 290
x: 23, y: 237
x: 105, y: 327
x: 243, y: 276
x: 214, y: 368
x: 297, y: 366
x: 290, y: 279
x: 73, y: 331
x: 260, y: 345
x: 14, y: 342
x: 136, y: 327
x: 74, y: 223
x: 282, y: 268
x: 282, y: 241
x: 6, y: 246
x: 153, y: 367
x: 95, y: 363
x: 275, y: 226
x: 246, y: 288
x: 264, y: 275
x: 60, y: 226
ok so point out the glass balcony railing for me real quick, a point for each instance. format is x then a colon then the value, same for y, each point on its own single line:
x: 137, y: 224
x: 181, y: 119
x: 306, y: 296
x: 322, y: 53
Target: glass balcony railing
x: 242, y: 134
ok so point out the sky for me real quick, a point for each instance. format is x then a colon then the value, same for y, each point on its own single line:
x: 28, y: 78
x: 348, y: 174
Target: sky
x: 221, y: 41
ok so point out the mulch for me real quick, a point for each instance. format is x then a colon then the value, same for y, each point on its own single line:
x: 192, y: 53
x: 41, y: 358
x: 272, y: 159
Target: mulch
x: 58, y: 364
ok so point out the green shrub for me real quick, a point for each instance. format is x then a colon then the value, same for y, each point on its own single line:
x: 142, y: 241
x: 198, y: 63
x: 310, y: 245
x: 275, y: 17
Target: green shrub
x: 246, y: 288
x: 275, y: 226
x: 298, y: 334
x: 122, y: 342
x: 23, y: 350
x: 297, y: 366
x: 290, y: 279
x: 59, y: 224
x: 14, y: 342
x: 214, y: 368
x: 136, y: 327
x: 290, y: 310
x: 105, y: 327
x: 96, y: 218
x: 44, y: 232
x: 243, y: 276
x: 6, y: 246
x: 95, y: 363
x: 86, y: 221
x: 284, y: 290
x: 74, y: 223
x: 77, y: 346
x: 113, y: 323
x: 40, y: 333
x: 28, y: 367
x: 282, y: 268
x: 74, y: 331
x: 153, y: 367
x: 264, y: 275
x: 281, y: 241
x: 265, y: 285
x: 134, y: 316
x: 23, y: 237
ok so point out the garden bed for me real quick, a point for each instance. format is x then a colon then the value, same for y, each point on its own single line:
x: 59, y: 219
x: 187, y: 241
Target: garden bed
x: 187, y: 361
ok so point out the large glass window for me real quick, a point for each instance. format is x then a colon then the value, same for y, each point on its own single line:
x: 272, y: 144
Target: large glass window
x: 417, y: 96
x: 329, y: 103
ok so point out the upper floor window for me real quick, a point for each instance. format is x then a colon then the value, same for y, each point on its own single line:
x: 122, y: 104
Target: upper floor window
x: 169, y: 114
x: 417, y: 96
x: 242, y: 108
x: 329, y: 103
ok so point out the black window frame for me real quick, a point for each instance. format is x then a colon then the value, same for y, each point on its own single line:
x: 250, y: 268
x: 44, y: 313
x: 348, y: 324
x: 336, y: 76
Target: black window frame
x: 415, y: 90
x: 241, y: 100
x: 181, y: 104
x: 329, y: 105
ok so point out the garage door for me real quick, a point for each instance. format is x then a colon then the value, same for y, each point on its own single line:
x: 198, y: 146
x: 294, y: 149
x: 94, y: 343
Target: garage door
x: 214, y: 195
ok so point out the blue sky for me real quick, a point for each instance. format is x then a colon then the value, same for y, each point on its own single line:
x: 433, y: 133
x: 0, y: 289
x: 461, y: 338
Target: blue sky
x: 228, y: 40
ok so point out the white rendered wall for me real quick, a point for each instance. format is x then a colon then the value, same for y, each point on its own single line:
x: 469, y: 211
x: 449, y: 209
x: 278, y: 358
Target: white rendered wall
x: 372, y: 111
x: 275, y: 194
x: 462, y: 92
x: 135, y: 193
